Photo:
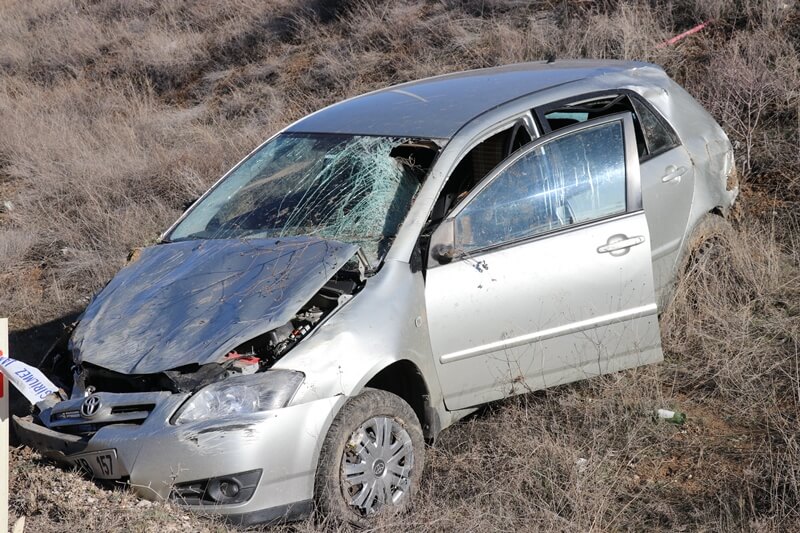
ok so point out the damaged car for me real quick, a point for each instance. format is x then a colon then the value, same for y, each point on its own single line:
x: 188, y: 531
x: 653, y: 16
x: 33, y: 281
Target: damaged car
x: 374, y: 272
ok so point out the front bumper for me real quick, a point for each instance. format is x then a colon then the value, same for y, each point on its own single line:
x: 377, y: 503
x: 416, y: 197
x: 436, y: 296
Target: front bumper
x: 156, y: 455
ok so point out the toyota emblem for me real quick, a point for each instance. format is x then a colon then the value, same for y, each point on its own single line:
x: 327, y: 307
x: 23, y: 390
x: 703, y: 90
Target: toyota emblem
x: 90, y: 406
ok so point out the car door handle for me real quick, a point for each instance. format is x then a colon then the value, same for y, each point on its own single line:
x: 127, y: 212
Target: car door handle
x: 673, y: 173
x: 619, y: 244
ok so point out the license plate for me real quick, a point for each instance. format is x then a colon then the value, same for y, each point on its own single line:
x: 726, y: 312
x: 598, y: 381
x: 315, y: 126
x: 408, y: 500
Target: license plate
x: 100, y: 465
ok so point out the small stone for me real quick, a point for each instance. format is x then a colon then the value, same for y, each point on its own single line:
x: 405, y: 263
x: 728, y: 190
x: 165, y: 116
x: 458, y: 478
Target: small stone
x: 19, y: 525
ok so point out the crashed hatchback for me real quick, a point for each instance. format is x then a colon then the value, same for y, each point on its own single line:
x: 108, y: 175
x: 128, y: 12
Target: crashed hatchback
x: 375, y: 271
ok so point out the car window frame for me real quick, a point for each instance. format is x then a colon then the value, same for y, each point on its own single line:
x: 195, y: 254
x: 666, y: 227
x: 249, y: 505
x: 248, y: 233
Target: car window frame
x: 507, y: 123
x: 633, y: 189
x: 525, y: 118
x: 540, y: 112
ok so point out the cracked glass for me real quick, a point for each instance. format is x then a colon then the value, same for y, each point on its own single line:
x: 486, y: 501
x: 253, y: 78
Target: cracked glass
x: 347, y: 188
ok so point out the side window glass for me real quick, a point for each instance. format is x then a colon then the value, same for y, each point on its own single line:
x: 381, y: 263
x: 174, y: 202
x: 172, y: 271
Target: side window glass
x: 569, y: 180
x: 658, y: 135
x: 561, y: 119
x: 570, y: 114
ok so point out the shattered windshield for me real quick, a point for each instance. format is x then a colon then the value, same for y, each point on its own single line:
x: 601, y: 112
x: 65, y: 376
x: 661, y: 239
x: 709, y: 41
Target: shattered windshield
x: 354, y: 189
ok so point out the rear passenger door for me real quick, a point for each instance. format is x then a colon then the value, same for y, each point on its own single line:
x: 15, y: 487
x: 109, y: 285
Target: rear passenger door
x: 667, y: 192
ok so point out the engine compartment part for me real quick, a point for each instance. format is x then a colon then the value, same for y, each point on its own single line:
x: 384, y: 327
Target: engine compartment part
x: 192, y: 302
x: 254, y: 355
x: 263, y: 351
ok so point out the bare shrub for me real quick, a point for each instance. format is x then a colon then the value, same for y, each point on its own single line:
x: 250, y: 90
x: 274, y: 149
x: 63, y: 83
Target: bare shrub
x: 756, y: 97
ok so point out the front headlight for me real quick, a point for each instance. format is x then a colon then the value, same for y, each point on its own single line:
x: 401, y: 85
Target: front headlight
x: 241, y: 395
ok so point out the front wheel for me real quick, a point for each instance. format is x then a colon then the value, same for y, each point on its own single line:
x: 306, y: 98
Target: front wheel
x: 371, y: 460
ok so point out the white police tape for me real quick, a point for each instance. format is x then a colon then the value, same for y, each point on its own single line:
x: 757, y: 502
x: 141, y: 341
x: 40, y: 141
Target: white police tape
x: 28, y: 379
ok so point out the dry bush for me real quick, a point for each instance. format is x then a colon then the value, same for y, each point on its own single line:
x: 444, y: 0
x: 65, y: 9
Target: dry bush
x: 734, y: 330
x: 95, y: 178
x: 756, y: 97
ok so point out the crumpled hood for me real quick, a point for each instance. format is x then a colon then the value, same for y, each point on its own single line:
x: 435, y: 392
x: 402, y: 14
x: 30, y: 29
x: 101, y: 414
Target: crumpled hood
x: 194, y: 301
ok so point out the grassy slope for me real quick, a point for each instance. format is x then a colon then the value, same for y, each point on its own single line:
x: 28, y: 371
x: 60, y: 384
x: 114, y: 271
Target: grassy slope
x: 114, y: 113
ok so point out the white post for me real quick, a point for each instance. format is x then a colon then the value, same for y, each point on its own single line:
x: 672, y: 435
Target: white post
x: 4, y: 466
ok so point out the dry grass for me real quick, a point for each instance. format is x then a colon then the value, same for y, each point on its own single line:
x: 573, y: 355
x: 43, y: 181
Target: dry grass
x: 115, y: 113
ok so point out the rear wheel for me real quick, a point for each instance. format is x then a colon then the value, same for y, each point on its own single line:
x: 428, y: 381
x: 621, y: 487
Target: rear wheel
x: 706, y: 242
x: 371, y: 460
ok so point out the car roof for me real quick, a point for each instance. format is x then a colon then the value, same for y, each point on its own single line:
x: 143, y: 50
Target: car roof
x: 438, y: 107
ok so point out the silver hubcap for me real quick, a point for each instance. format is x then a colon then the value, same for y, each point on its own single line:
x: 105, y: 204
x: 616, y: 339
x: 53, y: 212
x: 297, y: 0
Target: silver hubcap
x: 376, y: 465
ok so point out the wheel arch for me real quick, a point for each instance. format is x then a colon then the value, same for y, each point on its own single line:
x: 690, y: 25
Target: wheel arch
x: 404, y: 379
x: 713, y: 221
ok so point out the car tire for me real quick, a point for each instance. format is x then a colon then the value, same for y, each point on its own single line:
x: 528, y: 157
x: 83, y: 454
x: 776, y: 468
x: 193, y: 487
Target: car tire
x: 706, y: 242
x: 374, y: 451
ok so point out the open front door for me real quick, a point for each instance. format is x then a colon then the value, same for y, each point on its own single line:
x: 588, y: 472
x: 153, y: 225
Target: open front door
x: 543, y: 274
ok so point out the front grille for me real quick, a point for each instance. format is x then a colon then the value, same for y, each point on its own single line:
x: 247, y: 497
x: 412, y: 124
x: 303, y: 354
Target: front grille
x: 67, y: 415
x: 125, y: 409
x: 112, y: 408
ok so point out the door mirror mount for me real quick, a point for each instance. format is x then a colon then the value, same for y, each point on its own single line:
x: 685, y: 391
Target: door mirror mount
x: 443, y: 253
x: 189, y: 203
x: 442, y: 245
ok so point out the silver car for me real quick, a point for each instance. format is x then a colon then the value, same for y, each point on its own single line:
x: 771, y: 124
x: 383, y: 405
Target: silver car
x: 376, y: 270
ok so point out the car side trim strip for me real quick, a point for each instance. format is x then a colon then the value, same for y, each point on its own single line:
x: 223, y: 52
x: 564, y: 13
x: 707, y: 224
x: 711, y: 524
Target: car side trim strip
x: 574, y: 327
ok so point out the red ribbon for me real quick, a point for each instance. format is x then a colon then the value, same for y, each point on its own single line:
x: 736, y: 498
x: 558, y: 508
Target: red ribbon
x: 677, y: 38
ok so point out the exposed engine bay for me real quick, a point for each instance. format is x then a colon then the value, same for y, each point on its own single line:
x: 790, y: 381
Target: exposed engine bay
x: 255, y: 355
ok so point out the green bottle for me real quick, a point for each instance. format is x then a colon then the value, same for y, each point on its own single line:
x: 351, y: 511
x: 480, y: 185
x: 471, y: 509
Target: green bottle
x: 672, y: 416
